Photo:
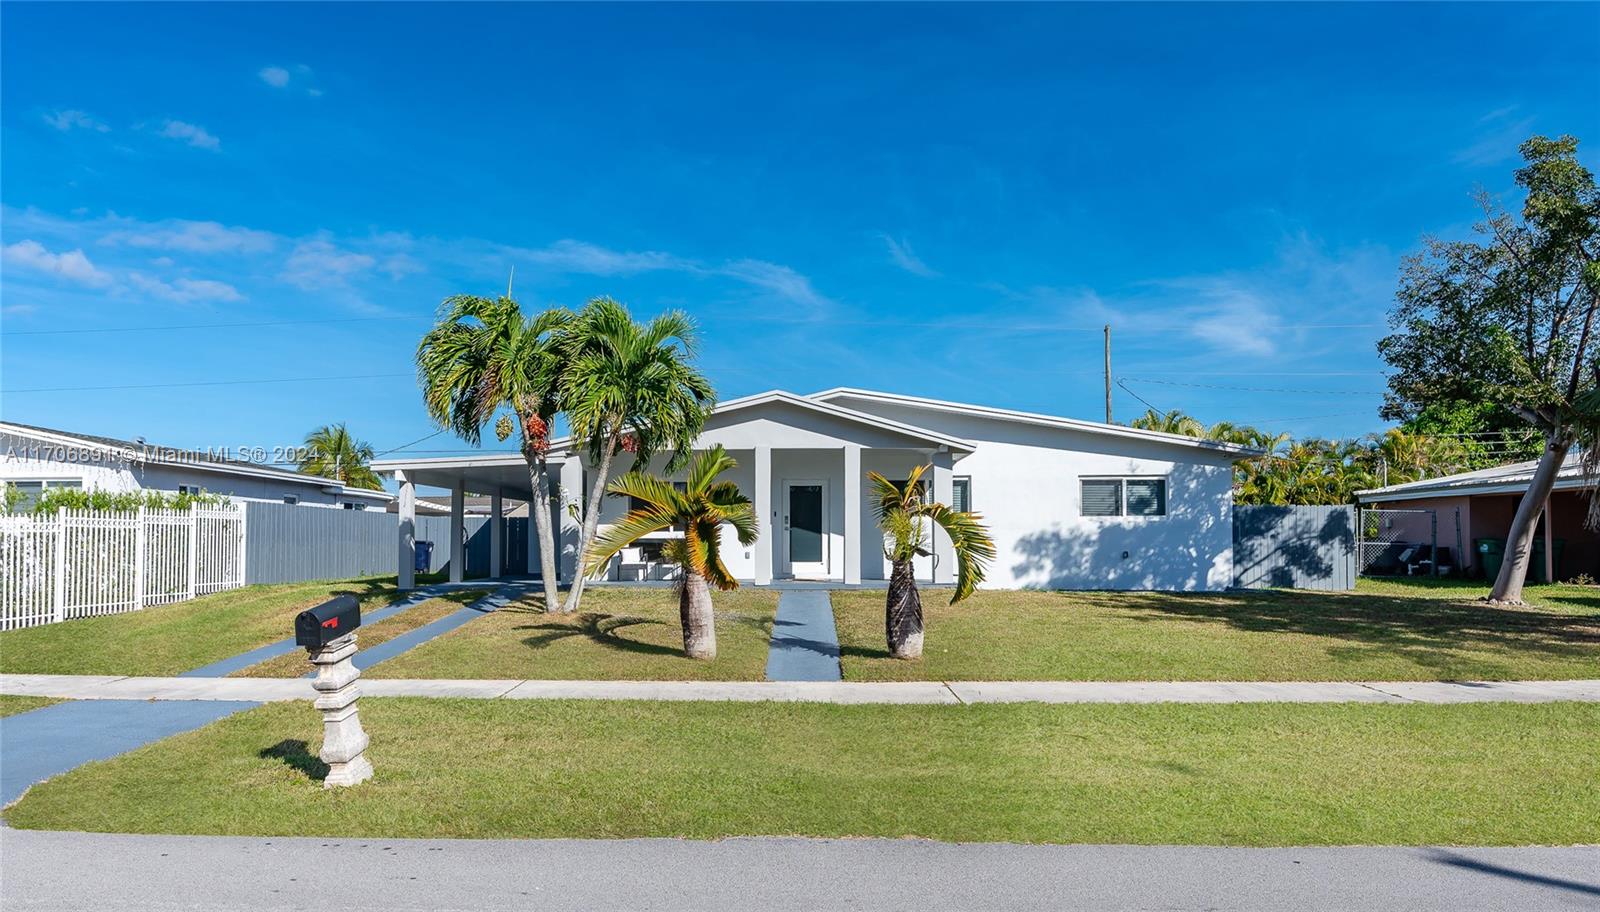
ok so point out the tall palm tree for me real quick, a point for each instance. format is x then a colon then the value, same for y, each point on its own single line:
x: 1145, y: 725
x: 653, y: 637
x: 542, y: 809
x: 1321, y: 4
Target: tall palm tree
x: 904, y: 515
x: 484, y: 355
x: 331, y: 451
x: 1173, y: 422
x: 699, y: 509
x: 629, y: 385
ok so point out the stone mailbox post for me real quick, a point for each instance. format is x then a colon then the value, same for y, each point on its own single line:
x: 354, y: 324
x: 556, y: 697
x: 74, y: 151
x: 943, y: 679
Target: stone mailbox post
x: 328, y: 634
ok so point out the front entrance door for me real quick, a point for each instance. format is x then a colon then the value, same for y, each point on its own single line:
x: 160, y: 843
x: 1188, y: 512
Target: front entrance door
x: 804, y: 529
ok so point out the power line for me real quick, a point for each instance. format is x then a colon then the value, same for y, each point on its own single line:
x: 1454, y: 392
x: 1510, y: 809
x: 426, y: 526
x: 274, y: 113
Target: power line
x: 1253, y: 389
x: 170, y: 327
x: 139, y: 386
x: 1138, y: 397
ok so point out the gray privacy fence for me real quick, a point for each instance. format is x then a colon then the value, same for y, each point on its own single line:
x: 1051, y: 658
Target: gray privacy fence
x: 291, y: 544
x: 1294, y: 547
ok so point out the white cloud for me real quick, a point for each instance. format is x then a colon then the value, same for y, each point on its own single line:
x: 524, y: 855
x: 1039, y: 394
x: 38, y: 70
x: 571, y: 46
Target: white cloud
x: 274, y: 76
x: 191, y: 237
x: 400, y: 265
x: 192, y: 134
x: 591, y: 259
x: 902, y: 255
x: 67, y: 120
x: 72, y: 265
x: 319, y: 264
x: 777, y: 279
x: 1499, y: 137
x: 185, y: 291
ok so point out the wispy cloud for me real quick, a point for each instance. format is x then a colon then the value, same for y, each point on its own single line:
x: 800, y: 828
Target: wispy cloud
x: 190, y: 237
x: 781, y: 281
x: 1500, y: 133
x: 71, y: 265
x: 300, y: 75
x: 68, y: 120
x: 185, y: 291
x: 275, y: 76
x: 591, y: 259
x: 901, y: 254
x: 192, y: 134
x: 319, y: 264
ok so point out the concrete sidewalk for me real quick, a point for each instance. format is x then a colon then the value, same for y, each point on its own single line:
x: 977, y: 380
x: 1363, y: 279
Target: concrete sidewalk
x: 93, y: 687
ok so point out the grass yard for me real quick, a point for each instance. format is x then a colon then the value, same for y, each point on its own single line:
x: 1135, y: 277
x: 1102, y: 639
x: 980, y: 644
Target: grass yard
x: 618, y: 634
x: 1247, y: 774
x: 167, y: 640
x: 294, y: 664
x: 1391, y: 630
x: 10, y: 705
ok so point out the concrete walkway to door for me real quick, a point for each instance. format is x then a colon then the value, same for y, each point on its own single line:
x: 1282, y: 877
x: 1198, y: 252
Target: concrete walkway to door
x: 805, y: 645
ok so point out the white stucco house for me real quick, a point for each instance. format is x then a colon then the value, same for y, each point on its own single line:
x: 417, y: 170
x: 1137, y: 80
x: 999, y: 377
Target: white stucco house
x: 1071, y: 504
x: 35, y: 458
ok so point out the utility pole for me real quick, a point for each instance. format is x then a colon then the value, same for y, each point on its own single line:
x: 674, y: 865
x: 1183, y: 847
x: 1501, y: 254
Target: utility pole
x: 1108, y: 373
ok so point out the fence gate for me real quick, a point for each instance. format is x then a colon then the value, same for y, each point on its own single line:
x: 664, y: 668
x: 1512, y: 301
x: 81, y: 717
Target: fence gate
x: 1385, y: 536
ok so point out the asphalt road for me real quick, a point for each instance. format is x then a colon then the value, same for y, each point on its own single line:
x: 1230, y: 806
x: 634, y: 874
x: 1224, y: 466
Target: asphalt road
x: 49, y: 871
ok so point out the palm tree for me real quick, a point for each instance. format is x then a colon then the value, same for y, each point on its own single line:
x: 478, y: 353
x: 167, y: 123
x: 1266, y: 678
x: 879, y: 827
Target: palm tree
x: 699, y: 509
x: 332, y: 452
x: 903, y: 515
x: 484, y: 355
x: 629, y: 386
x: 1173, y: 422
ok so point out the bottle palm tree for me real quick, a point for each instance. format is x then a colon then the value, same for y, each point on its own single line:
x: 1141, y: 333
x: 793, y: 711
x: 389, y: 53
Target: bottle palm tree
x: 699, y: 509
x: 484, y: 355
x: 331, y: 451
x: 629, y: 385
x: 904, y: 515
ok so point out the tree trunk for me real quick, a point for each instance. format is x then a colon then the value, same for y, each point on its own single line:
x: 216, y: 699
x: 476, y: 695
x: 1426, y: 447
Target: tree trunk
x: 539, y: 512
x: 1519, y: 541
x: 902, y: 617
x: 591, y: 522
x: 696, y: 615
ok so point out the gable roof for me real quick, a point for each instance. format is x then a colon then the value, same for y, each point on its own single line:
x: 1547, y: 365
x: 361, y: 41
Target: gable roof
x: 1033, y: 418
x: 142, y: 451
x: 1507, y: 479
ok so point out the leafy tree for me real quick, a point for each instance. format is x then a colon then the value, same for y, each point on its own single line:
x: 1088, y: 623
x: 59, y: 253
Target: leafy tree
x: 904, y: 515
x: 699, y: 509
x: 484, y: 356
x: 1507, y: 319
x: 332, y: 452
x: 628, y: 385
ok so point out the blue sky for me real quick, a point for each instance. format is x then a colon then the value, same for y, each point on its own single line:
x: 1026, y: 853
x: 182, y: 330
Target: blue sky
x: 940, y: 200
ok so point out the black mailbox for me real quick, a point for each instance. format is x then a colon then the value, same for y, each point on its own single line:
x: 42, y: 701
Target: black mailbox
x: 319, y: 626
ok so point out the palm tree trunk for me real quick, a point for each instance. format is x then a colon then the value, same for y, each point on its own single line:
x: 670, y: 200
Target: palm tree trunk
x: 539, y: 511
x: 696, y: 615
x: 1519, y: 541
x: 591, y: 522
x: 902, y: 618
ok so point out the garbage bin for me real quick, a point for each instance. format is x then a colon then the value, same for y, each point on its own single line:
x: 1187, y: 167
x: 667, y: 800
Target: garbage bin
x: 1491, y: 551
x: 424, y: 556
x: 1536, y: 561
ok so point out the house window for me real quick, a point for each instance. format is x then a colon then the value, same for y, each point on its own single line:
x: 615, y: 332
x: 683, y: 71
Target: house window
x: 961, y: 495
x: 1124, y: 497
x: 33, y: 489
x: 193, y: 490
x: 291, y: 499
x: 353, y: 506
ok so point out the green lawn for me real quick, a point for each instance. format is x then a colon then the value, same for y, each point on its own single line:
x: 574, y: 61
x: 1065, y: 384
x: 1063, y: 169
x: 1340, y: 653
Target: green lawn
x: 618, y: 634
x: 294, y: 664
x: 10, y: 705
x: 1394, y: 630
x: 175, y: 638
x: 1248, y: 774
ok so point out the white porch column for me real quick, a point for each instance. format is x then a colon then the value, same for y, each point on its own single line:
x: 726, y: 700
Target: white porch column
x: 567, y: 540
x: 407, y: 570
x: 458, y: 519
x: 944, y: 489
x: 767, y: 543
x: 852, y: 514
x: 496, y: 536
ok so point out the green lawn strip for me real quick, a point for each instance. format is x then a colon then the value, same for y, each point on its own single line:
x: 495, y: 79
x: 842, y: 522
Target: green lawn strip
x: 1245, y: 774
x: 10, y: 705
x: 617, y: 634
x: 1373, y: 634
x: 171, y: 639
x: 294, y: 664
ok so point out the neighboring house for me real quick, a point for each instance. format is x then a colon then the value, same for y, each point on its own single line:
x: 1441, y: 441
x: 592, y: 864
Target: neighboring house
x: 1480, y: 505
x: 1071, y: 504
x: 36, y: 458
x: 474, y: 506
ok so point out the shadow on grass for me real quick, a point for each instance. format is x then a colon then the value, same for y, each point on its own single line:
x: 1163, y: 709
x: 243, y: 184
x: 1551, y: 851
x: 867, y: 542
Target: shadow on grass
x: 296, y: 755
x: 609, y: 630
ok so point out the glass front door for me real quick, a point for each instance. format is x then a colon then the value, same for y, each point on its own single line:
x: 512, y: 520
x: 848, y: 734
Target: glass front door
x: 807, y: 546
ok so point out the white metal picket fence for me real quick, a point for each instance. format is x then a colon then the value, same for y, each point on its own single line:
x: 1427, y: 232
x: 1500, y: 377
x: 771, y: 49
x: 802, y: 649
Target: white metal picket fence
x: 80, y: 563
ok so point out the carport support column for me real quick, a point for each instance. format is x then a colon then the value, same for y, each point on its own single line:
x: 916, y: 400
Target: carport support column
x: 852, y: 514
x: 496, y: 536
x: 407, y: 571
x: 766, y: 543
x: 567, y: 536
x: 458, y: 519
x: 944, y: 490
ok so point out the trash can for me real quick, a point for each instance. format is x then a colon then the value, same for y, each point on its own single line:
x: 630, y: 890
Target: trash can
x: 424, y: 556
x: 1536, y: 561
x: 1491, y: 551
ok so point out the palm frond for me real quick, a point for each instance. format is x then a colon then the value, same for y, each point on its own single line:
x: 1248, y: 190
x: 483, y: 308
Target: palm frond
x: 623, y: 533
x: 970, y: 541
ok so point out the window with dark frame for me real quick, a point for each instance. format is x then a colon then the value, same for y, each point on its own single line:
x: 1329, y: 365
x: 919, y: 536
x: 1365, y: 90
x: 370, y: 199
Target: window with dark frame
x: 961, y: 494
x: 1101, y: 497
x: 1123, y: 497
